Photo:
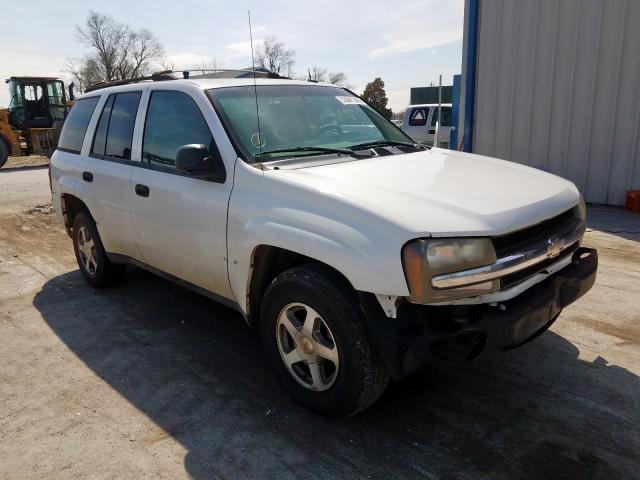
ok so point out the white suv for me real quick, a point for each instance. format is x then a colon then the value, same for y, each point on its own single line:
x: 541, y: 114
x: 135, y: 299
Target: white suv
x: 359, y: 255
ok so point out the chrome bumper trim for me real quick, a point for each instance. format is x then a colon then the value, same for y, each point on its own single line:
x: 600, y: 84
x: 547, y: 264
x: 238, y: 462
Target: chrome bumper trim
x: 551, y: 248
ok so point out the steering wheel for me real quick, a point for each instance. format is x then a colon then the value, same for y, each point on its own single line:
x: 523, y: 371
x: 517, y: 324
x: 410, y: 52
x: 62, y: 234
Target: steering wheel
x: 329, y: 127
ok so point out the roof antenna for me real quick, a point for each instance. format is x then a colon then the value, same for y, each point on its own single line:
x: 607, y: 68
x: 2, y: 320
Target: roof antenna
x: 259, y: 139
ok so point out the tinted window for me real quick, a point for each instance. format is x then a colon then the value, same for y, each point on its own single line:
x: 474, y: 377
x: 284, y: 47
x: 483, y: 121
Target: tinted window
x: 100, y: 138
x: 173, y: 120
x: 293, y: 116
x: 121, y: 123
x: 75, y: 126
x: 446, y: 117
x: 418, y: 117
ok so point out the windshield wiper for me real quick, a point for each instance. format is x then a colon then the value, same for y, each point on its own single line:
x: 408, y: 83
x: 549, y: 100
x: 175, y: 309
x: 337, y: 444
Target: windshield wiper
x: 319, y: 150
x: 387, y: 143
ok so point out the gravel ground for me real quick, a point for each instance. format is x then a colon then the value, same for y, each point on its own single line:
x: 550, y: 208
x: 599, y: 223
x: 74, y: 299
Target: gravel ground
x: 150, y: 380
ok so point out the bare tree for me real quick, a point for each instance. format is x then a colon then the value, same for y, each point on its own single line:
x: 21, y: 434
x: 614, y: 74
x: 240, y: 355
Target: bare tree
x: 117, y: 51
x: 320, y: 74
x: 139, y: 50
x: 340, y: 79
x: 166, y: 64
x: 274, y: 55
x: 209, y: 64
x: 84, y: 72
x: 317, y: 74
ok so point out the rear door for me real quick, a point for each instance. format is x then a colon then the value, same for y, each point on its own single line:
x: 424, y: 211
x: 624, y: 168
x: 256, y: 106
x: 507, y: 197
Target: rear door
x: 107, y: 169
x: 180, y: 222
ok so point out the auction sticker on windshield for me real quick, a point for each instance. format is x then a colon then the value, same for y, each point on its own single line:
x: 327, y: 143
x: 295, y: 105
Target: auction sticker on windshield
x: 345, y: 100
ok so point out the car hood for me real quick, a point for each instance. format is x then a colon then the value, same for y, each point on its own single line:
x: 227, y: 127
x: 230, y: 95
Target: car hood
x: 441, y: 192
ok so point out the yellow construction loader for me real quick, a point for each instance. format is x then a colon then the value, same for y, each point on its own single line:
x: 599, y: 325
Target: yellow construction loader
x: 32, y: 123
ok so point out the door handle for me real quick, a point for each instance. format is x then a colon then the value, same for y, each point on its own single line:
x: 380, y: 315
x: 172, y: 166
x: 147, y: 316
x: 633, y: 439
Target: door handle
x: 87, y: 176
x: 142, y: 190
x: 432, y: 132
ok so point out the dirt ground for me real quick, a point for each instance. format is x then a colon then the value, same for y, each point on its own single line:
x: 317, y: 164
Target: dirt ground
x: 150, y: 380
x: 28, y: 161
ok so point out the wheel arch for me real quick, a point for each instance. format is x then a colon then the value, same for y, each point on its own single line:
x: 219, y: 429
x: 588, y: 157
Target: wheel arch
x: 269, y: 261
x: 71, y: 205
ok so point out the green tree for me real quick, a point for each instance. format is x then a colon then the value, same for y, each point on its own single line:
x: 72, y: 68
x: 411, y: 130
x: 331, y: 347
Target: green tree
x: 375, y: 96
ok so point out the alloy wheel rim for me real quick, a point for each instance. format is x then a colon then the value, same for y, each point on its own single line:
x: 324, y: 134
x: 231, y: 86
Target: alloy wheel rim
x: 87, y: 251
x: 307, y: 347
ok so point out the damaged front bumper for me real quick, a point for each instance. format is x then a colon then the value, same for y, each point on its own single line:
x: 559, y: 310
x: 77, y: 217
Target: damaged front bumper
x: 461, y: 333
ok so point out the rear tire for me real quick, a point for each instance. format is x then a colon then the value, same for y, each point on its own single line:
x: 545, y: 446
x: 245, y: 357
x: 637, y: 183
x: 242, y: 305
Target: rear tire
x: 315, y: 336
x: 4, y: 152
x: 92, y: 259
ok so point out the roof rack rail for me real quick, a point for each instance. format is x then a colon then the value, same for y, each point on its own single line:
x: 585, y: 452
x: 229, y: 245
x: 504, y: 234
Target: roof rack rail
x: 186, y: 74
x: 230, y: 73
x: 157, y: 76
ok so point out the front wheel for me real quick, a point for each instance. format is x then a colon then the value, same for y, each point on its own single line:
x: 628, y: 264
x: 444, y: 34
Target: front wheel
x: 5, y: 149
x: 316, y: 339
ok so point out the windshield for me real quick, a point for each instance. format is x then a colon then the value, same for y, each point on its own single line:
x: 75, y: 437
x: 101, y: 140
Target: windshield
x: 299, y: 117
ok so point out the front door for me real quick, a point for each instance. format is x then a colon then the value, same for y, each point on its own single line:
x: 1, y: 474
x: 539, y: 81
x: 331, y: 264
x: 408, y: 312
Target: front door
x: 179, y: 222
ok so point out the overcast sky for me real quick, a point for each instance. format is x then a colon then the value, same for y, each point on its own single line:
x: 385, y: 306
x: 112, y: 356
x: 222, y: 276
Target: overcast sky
x: 407, y: 43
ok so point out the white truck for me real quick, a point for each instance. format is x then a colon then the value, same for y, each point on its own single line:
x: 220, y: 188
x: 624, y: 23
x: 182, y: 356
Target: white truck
x: 358, y: 254
x: 420, y: 122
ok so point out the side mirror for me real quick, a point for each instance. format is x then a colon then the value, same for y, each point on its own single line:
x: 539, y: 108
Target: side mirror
x: 196, y: 161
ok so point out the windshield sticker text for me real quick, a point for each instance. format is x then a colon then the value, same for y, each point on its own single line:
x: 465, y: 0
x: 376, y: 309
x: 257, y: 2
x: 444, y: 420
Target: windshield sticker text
x: 350, y: 100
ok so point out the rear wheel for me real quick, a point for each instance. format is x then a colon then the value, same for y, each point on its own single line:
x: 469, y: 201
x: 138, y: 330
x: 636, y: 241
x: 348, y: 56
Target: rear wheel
x: 4, y: 152
x: 316, y: 339
x: 92, y: 259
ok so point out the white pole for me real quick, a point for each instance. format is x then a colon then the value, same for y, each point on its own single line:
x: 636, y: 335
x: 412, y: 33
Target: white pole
x: 436, y: 140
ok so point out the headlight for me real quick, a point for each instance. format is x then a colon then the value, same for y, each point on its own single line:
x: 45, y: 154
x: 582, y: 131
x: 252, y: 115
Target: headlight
x: 424, y: 258
x: 582, y: 209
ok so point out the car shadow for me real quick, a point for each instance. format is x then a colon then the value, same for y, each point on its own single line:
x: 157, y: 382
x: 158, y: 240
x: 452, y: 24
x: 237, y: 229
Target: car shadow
x: 195, y: 369
x: 614, y: 220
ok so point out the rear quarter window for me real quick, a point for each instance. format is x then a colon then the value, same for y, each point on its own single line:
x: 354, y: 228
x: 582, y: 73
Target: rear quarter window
x: 75, y: 126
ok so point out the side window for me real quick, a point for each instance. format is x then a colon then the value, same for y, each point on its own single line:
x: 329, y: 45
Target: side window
x: 446, y: 117
x: 173, y: 120
x: 75, y: 126
x: 121, y: 123
x: 100, y: 137
x: 418, y: 117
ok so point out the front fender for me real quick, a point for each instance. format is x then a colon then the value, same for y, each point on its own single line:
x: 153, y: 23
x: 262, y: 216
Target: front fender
x: 327, y: 249
x: 365, y: 251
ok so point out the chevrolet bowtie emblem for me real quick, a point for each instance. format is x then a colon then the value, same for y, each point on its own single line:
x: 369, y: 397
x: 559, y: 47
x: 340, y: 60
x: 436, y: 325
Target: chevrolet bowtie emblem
x: 554, y: 247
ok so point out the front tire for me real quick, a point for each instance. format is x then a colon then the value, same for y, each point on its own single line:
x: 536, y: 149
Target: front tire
x: 92, y: 259
x: 315, y: 336
x: 5, y: 150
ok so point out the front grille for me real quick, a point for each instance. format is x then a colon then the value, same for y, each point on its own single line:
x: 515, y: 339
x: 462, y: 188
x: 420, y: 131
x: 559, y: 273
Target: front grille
x: 515, y: 278
x: 521, y: 240
x: 526, y: 239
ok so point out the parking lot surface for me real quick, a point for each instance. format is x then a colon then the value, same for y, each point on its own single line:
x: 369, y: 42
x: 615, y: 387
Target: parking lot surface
x: 150, y: 380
